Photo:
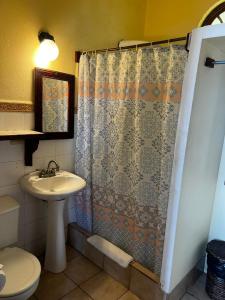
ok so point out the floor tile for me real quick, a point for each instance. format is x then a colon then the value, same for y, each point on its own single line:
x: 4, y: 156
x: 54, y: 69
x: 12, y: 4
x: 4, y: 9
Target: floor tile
x: 76, y: 294
x: 53, y: 286
x: 81, y: 269
x: 71, y: 253
x: 198, y: 289
x: 188, y: 297
x: 129, y: 296
x: 102, y: 286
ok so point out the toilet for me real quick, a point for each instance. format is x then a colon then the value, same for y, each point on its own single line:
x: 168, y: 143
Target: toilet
x: 22, y: 269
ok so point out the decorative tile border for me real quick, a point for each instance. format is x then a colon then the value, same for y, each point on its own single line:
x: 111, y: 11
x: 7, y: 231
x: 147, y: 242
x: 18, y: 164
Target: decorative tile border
x: 16, y: 107
x: 19, y: 107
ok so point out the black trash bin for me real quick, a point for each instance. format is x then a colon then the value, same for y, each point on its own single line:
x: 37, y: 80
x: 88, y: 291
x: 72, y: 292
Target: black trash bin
x: 215, y: 281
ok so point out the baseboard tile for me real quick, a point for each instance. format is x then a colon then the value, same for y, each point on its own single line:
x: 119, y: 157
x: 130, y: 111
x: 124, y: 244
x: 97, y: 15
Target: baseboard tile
x: 75, y: 226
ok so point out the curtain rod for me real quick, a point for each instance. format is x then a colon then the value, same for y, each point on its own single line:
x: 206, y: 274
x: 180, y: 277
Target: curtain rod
x: 210, y: 62
x: 183, y: 38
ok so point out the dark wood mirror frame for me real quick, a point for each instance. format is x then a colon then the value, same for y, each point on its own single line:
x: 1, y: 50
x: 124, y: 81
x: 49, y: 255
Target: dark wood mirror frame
x: 38, y: 107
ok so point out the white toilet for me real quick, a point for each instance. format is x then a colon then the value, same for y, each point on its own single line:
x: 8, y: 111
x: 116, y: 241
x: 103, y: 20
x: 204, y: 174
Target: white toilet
x: 22, y: 269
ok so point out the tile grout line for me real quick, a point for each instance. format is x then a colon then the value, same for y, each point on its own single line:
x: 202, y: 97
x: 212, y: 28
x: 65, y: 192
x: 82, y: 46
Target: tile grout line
x: 92, y: 278
x: 86, y: 293
x: 78, y: 284
x: 67, y: 293
x: 77, y: 287
x: 123, y: 294
x: 101, y: 270
x: 192, y: 295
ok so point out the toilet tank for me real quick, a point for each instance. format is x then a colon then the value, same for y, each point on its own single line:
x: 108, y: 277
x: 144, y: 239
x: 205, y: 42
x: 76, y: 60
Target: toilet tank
x: 9, y: 217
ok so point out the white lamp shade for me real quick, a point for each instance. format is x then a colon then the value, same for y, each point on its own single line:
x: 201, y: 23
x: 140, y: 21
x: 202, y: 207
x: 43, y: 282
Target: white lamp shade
x: 47, y: 51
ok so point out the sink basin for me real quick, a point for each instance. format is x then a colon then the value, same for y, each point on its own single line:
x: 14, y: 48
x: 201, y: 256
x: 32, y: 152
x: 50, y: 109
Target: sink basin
x: 52, y: 188
x: 55, y: 190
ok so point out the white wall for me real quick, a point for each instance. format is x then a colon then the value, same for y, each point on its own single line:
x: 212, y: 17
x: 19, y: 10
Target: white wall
x: 217, y: 228
x: 203, y: 153
x: 33, y: 212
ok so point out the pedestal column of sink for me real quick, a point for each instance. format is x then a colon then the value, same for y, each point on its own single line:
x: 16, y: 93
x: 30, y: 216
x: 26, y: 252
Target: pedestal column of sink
x: 55, y: 257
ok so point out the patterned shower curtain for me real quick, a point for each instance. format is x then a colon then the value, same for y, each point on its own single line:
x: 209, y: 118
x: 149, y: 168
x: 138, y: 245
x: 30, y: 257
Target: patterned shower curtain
x: 126, y: 128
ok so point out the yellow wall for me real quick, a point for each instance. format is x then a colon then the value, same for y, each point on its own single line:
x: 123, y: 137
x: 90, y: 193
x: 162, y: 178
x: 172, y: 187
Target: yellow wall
x: 168, y: 19
x: 75, y: 24
x: 81, y: 25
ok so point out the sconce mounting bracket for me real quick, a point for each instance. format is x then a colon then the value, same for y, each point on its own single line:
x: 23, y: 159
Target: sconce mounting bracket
x: 42, y: 35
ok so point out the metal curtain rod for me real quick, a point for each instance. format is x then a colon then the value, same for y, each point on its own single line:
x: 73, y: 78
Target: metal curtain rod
x: 183, y: 38
x: 210, y: 62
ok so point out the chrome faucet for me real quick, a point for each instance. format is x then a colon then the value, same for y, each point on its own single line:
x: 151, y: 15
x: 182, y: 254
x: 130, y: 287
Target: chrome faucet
x: 49, y: 172
x: 56, y: 165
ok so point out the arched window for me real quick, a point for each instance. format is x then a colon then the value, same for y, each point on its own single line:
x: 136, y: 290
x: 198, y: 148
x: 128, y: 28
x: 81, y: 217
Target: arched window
x: 216, y: 16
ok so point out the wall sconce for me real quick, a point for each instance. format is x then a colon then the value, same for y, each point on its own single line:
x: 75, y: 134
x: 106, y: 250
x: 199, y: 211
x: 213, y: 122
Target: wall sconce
x: 47, y: 51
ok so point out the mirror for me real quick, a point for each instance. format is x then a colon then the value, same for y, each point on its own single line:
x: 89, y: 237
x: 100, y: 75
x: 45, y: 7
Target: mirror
x: 54, y: 104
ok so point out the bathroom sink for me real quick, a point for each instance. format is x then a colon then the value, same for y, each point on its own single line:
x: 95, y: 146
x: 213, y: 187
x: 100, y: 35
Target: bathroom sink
x: 55, y: 190
x: 52, y: 188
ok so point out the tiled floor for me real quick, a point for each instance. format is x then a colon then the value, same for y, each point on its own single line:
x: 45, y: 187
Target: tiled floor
x: 197, y: 291
x: 82, y: 280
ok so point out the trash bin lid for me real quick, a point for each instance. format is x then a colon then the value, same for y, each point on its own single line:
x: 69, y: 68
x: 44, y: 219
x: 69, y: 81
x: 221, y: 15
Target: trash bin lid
x: 216, y: 248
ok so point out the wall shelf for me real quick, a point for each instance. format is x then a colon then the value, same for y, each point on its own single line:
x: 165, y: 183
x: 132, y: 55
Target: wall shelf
x: 31, y: 141
x: 19, y: 134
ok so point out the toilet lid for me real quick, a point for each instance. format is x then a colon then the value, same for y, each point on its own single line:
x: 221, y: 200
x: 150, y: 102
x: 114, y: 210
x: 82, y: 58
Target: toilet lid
x: 22, y: 270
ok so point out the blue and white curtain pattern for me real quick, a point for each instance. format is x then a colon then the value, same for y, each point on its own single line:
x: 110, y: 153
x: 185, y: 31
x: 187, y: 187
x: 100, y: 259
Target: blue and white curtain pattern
x: 127, y: 120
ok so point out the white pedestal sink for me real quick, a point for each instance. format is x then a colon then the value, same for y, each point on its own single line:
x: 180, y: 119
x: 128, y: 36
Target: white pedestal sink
x: 55, y: 190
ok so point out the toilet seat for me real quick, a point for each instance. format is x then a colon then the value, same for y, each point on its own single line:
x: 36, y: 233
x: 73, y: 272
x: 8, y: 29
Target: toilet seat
x: 22, y: 271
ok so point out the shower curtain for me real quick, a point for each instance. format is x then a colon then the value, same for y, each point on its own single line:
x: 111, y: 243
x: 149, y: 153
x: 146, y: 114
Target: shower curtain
x: 126, y: 128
